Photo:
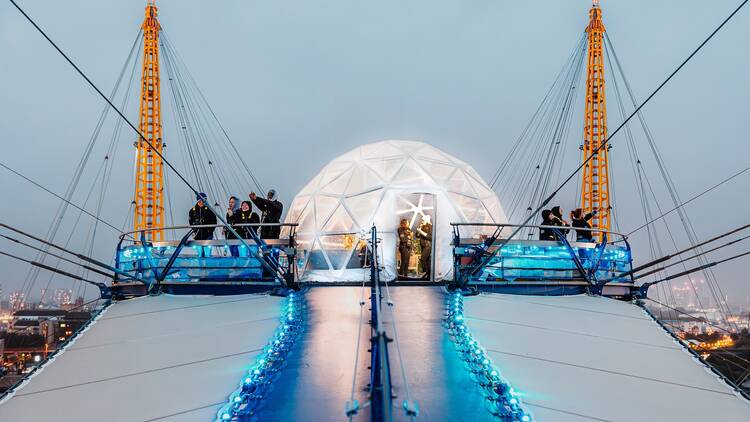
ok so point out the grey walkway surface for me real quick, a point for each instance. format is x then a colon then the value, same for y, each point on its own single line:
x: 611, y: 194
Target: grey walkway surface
x: 583, y: 358
x: 166, y: 358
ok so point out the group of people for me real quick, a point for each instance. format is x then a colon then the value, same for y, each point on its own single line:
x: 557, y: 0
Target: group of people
x: 406, y: 244
x: 579, y: 222
x: 240, y: 216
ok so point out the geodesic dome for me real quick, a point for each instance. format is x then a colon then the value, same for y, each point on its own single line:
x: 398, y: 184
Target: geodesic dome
x: 368, y: 185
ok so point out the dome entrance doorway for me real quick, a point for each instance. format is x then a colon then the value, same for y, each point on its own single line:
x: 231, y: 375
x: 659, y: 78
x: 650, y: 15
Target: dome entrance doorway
x: 415, y: 214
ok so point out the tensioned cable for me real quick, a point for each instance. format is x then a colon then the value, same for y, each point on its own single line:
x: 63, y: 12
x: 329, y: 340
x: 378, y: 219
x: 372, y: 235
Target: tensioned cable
x: 636, y: 166
x: 176, y: 54
x: 722, y: 246
x: 646, y: 101
x: 606, y: 141
x: 33, y: 274
x: 700, y: 267
x: 47, y: 267
x: 714, y: 287
x: 12, y: 239
x: 691, y: 199
x: 705, y: 242
x: 263, y: 261
x: 59, y: 197
x: 80, y: 256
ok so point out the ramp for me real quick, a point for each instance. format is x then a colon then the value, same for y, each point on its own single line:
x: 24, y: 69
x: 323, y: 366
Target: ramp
x: 160, y: 358
x: 582, y: 358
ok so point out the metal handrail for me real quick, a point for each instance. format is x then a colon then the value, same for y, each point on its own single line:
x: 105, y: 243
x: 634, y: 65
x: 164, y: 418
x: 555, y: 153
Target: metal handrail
x: 203, y: 226
x: 540, y: 226
x: 284, y: 276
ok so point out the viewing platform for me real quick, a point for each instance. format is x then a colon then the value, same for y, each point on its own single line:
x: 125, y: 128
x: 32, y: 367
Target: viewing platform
x: 541, y: 267
x: 218, y: 266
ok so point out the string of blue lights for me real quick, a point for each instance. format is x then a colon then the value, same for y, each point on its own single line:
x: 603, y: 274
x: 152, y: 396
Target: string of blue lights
x: 245, y: 400
x: 503, y: 401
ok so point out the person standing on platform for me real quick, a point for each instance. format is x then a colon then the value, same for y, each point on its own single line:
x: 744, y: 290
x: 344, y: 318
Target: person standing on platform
x: 246, y: 216
x: 405, y: 242
x: 270, y: 209
x: 546, y: 234
x: 232, y: 209
x: 201, y: 215
x: 580, y: 223
x: 424, y: 234
x: 557, y: 220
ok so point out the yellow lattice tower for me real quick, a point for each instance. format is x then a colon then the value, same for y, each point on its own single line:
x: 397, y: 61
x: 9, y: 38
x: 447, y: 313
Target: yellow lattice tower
x: 595, y: 184
x: 149, y: 174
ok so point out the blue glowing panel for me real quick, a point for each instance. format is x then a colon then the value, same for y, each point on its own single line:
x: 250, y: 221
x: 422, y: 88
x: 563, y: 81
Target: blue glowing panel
x: 551, y: 261
x: 194, y: 263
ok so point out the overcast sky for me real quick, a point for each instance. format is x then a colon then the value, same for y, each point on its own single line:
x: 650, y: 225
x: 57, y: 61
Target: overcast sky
x: 298, y: 82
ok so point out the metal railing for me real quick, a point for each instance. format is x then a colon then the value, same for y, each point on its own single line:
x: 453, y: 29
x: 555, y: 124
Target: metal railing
x: 234, y: 259
x: 488, y: 258
x: 614, y: 237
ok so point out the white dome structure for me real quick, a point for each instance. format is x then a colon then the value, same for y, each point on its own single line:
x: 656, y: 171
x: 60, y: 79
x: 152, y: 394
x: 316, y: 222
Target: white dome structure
x: 379, y: 184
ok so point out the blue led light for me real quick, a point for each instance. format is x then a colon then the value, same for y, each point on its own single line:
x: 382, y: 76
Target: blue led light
x: 245, y: 400
x: 503, y: 399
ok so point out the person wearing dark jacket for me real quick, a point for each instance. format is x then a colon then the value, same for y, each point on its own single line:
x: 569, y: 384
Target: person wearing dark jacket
x: 245, y: 216
x: 405, y: 243
x: 424, y: 234
x: 556, y: 219
x: 232, y: 209
x: 200, y: 215
x: 546, y: 234
x: 580, y: 222
x: 270, y: 209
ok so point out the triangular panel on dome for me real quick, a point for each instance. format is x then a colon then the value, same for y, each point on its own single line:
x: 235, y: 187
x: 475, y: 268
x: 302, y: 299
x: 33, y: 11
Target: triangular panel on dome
x: 363, y: 206
x: 472, y: 173
x: 468, y: 207
x: 440, y: 172
x: 385, y: 168
x: 349, y: 156
x: 409, y: 147
x: 338, y: 185
x: 333, y: 172
x: 311, y: 186
x: 324, y: 206
x: 380, y: 150
x: 434, y: 154
x: 412, y: 174
x: 459, y: 183
x: 494, y: 209
x: 298, y: 206
x: 481, y: 188
x: 341, y: 250
x: 363, y: 179
x: 301, y: 207
x: 339, y: 222
x: 317, y: 259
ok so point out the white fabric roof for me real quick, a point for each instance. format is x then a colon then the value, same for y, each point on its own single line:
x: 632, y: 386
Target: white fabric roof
x: 173, y: 358
x: 361, y: 188
x: 590, y: 358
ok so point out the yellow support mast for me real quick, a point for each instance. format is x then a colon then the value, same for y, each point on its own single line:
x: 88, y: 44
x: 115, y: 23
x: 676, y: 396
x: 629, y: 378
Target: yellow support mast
x: 595, y: 184
x: 149, y: 173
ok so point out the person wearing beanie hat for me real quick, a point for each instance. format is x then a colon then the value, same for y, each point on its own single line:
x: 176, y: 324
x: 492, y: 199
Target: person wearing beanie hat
x: 201, y: 215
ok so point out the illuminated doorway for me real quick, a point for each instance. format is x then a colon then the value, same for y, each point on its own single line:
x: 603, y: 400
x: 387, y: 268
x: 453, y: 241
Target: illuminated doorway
x: 414, y: 238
